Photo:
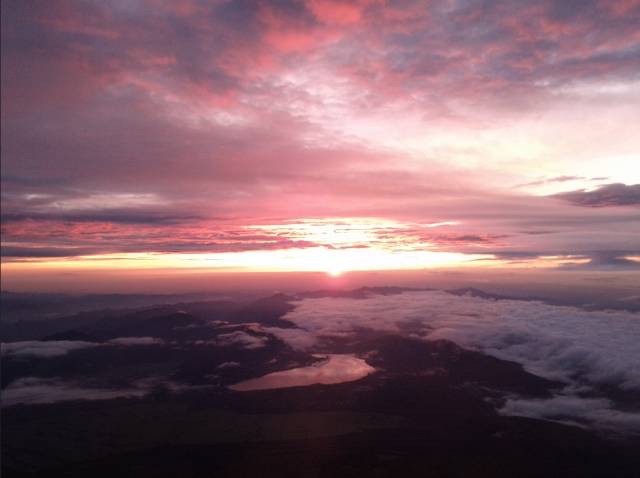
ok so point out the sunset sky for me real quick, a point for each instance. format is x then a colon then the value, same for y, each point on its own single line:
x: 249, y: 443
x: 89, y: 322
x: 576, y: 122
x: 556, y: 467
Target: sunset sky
x: 319, y: 136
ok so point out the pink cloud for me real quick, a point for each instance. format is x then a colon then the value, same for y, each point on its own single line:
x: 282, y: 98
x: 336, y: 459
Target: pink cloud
x: 336, y: 12
x: 246, y: 114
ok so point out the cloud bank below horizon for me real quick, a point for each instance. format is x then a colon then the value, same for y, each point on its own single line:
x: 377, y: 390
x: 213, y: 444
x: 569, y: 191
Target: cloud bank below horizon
x: 589, y: 351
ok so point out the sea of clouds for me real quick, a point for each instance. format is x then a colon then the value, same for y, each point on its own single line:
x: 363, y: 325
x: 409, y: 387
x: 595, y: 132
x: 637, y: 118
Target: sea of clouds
x: 57, y: 348
x: 588, y: 350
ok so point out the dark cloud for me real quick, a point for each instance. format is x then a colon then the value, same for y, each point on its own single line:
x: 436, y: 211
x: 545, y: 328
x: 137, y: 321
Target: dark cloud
x: 615, y: 194
x: 610, y: 260
x: 116, y: 217
x: 46, y: 252
x: 474, y: 238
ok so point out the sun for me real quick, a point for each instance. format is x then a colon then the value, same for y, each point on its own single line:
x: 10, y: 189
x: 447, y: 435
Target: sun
x: 334, y: 271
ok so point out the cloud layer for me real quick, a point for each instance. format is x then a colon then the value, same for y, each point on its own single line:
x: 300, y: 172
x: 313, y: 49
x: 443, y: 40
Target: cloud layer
x: 609, y: 195
x: 35, y: 348
x: 576, y: 410
x: 589, y: 351
x: 242, y: 339
x: 172, y: 127
x: 57, y: 348
x: 36, y: 390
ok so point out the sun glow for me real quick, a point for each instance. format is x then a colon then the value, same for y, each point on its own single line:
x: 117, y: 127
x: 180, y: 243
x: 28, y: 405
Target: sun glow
x: 333, y: 246
x: 329, y: 245
x: 314, y: 259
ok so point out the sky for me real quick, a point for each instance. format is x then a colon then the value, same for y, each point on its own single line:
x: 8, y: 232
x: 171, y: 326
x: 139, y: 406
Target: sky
x: 318, y: 136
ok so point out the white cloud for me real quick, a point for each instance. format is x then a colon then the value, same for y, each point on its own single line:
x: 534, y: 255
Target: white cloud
x: 596, y: 412
x: 242, y: 339
x: 229, y: 365
x: 551, y: 341
x: 35, y: 390
x: 57, y: 348
x: 35, y: 348
x: 136, y: 341
x: 39, y: 390
x: 579, y: 347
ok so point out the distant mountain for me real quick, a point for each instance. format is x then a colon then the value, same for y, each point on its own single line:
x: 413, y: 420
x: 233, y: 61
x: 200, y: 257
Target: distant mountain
x: 16, y: 306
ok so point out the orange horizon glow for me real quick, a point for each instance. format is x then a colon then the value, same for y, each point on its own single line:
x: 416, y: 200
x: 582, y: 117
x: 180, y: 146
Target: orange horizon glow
x: 338, y: 246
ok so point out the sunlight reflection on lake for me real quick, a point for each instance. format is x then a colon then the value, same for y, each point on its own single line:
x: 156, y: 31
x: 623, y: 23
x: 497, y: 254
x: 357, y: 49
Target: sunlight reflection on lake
x: 336, y: 368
